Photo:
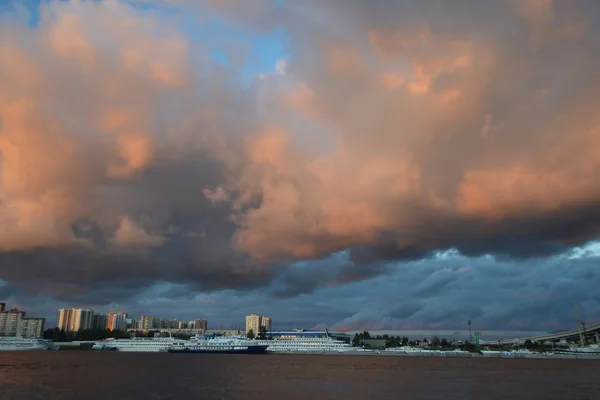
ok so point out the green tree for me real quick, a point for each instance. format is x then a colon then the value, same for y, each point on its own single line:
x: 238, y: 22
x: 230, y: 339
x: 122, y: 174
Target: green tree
x: 250, y: 334
x: 262, y: 333
x: 444, y: 343
x: 435, y: 341
x: 470, y: 347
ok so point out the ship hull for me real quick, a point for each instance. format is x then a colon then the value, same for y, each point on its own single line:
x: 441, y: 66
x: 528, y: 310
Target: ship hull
x: 32, y: 348
x: 224, y: 350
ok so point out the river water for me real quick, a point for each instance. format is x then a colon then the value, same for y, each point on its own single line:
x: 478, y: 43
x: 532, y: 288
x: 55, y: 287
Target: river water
x: 80, y: 375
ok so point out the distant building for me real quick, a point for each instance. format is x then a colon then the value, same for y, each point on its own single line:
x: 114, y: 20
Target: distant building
x: 74, y: 319
x: 252, y: 323
x: 14, y: 323
x: 224, y: 332
x: 99, y: 321
x: 128, y: 323
x: 116, y: 321
x: 145, y: 323
x: 374, y: 343
x: 255, y: 321
x: 63, y: 318
x: 266, y: 322
x: 82, y: 319
x: 200, y: 324
x: 10, y: 322
x: 32, y: 327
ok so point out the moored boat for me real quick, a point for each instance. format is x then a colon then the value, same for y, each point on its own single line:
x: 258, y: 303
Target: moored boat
x: 135, y: 344
x: 216, y: 346
x: 16, y: 343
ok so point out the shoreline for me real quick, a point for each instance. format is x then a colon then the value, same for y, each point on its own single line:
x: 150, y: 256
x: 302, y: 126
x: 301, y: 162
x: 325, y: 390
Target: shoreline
x: 383, y: 353
x: 449, y: 355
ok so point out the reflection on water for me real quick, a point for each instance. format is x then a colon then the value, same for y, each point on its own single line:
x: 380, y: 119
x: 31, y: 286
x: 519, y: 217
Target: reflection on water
x: 91, y: 376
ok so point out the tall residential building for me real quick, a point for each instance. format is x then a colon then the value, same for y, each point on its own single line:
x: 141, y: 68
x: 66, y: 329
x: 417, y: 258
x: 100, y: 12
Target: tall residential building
x: 32, y: 327
x: 14, y: 323
x: 99, y: 321
x: 82, y: 319
x: 74, y: 319
x: 116, y: 321
x: 266, y: 322
x: 145, y: 323
x: 63, y: 318
x: 252, y: 323
x: 255, y: 321
x: 128, y: 323
x: 10, y: 322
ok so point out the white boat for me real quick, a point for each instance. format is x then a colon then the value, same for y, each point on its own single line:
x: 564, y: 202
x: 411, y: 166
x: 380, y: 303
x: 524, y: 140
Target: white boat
x: 135, y: 344
x: 15, y: 343
x: 306, y: 345
x: 590, y: 349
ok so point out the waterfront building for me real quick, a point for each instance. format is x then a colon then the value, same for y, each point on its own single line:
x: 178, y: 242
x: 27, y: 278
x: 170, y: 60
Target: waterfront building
x: 10, y: 322
x: 14, y: 323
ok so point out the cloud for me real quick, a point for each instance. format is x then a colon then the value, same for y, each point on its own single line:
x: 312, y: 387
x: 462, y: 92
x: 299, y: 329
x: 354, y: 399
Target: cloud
x: 129, y: 235
x: 386, y: 135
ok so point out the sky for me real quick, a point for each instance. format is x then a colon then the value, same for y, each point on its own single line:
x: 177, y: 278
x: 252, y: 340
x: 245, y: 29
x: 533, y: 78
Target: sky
x: 343, y: 164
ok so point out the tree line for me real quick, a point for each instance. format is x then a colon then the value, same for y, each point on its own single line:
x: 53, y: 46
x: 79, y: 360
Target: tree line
x: 399, y: 341
x: 60, y: 335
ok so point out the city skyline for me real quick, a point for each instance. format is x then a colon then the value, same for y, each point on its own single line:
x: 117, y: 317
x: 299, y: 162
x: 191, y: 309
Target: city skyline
x: 75, y: 319
x: 325, y: 163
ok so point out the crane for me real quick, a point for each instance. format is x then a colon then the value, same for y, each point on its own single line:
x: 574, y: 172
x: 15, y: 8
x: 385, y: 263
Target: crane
x: 578, y: 325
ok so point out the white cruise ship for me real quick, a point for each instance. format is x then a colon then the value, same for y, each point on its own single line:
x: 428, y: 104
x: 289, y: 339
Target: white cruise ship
x: 11, y: 343
x: 306, y: 344
x: 135, y: 344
